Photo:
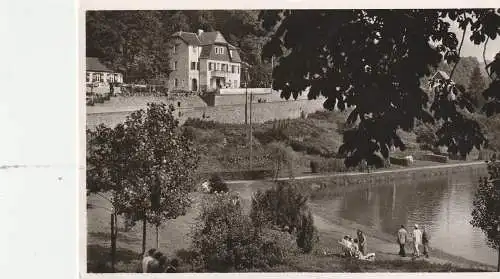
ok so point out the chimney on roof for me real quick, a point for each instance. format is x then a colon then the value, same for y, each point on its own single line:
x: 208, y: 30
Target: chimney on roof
x: 200, y: 31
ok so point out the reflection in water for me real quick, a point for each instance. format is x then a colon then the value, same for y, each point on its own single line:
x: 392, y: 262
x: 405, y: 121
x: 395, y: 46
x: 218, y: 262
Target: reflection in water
x: 443, y: 206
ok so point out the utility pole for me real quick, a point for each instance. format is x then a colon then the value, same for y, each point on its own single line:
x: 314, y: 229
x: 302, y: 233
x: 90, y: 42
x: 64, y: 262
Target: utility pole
x: 246, y: 97
x: 251, y: 148
x: 272, y: 69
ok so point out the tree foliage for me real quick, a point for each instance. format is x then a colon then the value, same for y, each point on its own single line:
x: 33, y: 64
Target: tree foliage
x: 133, y: 42
x: 476, y: 86
x: 373, y: 60
x: 486, y: 205
x: 286, y: 208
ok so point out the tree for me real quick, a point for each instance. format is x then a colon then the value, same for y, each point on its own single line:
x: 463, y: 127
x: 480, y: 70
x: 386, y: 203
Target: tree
x: 113, y: 161
x: 373, y: 60
x: 486, y: 207
x: 133, y: 163
x: 476, y: 86
x: 167, y: 172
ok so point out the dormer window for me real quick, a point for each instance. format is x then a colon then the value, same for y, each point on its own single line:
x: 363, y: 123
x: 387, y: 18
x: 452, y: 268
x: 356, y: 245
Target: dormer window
x: 219, y: 50
x: 174, y: 48
x: 231, y: 53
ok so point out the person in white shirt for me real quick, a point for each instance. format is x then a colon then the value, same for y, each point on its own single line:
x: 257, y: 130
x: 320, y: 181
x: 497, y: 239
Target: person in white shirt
x: 148, y: 258
x: 417, y: 240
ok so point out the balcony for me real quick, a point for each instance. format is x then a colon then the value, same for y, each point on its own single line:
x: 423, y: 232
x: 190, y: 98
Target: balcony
x: 216, y: 73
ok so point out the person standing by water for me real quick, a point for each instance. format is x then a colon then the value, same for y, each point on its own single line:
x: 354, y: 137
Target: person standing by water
x: 425, y: 242
x: 402, y: 238
x: 417, y: 241
x: 362, y: 242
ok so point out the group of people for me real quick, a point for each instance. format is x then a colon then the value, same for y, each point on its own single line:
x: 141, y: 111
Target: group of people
x: 417, y: 238
x: 156, y: 262
x: 356, y: 247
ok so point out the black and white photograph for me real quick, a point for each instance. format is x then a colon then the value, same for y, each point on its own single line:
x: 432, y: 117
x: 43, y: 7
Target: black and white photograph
x: 291, y: 140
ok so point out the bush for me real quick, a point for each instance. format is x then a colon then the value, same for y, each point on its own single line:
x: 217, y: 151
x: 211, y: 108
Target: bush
x: 321, y: 115
x: 314, y: 166
x: 227, y: 240
x: 329, y: 165
x: 202, y: 124
x: 217, y: 184
x: 286, y: 208
x: 426, y: 136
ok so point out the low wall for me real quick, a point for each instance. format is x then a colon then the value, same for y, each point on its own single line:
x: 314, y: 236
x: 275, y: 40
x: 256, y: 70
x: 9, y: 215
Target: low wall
x: 343, y: 180
x: 261, y: 112
x: 241, y: 91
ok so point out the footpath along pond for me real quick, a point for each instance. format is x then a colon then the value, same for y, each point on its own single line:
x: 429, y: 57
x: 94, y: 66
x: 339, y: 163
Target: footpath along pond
x: 442, y: 204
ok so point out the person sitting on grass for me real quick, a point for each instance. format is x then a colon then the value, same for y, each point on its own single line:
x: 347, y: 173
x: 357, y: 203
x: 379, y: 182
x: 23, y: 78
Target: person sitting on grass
x: 148, y: 258
x: 154, y: 265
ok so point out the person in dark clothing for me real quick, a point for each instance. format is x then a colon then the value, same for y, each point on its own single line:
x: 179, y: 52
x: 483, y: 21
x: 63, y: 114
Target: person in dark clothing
x: 172, y: 268
x: 425, y: 242
x: 402, y: 238
x: 362, y: 242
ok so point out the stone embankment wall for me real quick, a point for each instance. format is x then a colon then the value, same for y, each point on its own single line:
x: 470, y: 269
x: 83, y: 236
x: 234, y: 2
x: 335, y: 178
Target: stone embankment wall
x: 261, y: 112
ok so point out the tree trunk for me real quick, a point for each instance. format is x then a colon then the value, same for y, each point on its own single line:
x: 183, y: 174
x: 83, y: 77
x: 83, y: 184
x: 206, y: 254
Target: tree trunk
x: 113, y: 241
x: 144, y: 224
x: 157, y: 238
x: 498, y: 265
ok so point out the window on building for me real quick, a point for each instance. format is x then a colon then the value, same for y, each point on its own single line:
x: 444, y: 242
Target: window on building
x: 175, y: 66
x: 230, y: 53
x: 209, y: 66
x: 223, y: 67
x: 174, y: 48
x: 89, y: 77
x: 232, y: 69
x: 193, y: 65
x: 218, y: 67
x: 221, y: 50
x: 229, y: 83
x: 176, y: 83
x: 198, y: 66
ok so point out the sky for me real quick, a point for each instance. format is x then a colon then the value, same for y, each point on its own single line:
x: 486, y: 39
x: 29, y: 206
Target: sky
x: 470, y: 49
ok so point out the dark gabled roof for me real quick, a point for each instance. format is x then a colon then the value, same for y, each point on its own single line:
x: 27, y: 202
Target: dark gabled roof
x: 208, y: 52
x: 188, y: 37
x: 208, y: 38
x: 94, y: 65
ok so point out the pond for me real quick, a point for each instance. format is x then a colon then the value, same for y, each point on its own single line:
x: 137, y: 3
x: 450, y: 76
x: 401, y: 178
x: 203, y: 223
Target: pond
x: 442, y: 205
